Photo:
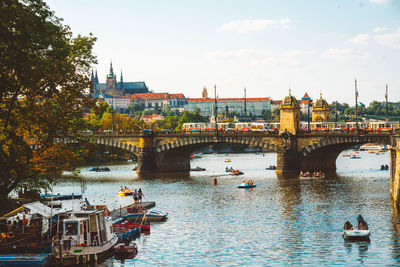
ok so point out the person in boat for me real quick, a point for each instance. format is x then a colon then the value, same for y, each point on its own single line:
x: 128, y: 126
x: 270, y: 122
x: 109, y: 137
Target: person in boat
x: 121, y: 189
x: 87, y: 202
x: 362, y: 224
x: 347, y: 226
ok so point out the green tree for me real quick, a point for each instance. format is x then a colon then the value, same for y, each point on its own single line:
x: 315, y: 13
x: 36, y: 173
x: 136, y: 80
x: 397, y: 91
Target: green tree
x: 43, y: 75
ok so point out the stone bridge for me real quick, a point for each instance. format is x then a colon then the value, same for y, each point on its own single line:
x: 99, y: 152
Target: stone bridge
x: 170, y: 152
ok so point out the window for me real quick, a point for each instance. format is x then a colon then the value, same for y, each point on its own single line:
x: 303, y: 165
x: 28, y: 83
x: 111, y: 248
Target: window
x: 71, y: 228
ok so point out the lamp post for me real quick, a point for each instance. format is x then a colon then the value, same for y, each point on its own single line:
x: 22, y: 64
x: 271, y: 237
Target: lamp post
x: 215, y: 110
x: 308, y: 115
x: 387, y: 104
x: 356, y: 113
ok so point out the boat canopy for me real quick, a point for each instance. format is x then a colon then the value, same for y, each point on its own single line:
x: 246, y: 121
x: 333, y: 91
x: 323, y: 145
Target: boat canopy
x: 33, y: 208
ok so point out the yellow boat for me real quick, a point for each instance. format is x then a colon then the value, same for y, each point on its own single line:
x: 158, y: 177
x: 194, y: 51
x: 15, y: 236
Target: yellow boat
x: 227, y: 160
x: 125, y: 192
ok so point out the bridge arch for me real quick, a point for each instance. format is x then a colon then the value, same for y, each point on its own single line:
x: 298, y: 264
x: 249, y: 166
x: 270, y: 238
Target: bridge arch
x: 322, y: 155
x: 115, y: 143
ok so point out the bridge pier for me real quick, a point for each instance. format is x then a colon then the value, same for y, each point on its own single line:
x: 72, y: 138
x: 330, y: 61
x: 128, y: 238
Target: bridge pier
x: 395, y: 170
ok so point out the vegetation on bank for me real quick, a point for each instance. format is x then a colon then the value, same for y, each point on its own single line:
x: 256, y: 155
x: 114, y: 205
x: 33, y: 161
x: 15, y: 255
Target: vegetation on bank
x: 43, y: 75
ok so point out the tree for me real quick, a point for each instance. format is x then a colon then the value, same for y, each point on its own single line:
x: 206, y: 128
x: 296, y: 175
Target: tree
x: 43, y: 75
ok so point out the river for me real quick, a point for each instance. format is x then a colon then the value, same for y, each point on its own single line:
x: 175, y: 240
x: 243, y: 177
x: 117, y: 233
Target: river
x: 280, y: 222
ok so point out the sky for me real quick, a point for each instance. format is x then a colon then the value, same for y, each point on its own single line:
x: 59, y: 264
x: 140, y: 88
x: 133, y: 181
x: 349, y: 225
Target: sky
x: 264, y: 46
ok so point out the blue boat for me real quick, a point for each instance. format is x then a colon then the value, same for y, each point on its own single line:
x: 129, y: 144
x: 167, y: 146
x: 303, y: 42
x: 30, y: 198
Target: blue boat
x: 24, y: 259
x: 60, y: 197
x: 246, y: 185
x: 152, y: 216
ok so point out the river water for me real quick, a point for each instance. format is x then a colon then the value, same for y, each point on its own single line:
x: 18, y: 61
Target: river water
x: 280, y: 222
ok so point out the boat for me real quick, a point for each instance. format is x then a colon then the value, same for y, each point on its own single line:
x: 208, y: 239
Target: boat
x: 246, y: 185
x: 150, y: 216
x: 236, y: 172
x: 371, y: 146
x: 227, y: 160
x: 318, y: 175
x: 125, y: 192
x: 100, y: 169
x: 60, y: 197
x: 355, y: 157
x: 194, y: 156
x: 143, y: 227
x: 85, y: 236
x: 125, y: 234
x: 305, y: 174
x: 42, y: 259
x: 347, y: 155
x: 356, y: 234
x: 271, y: 167
x: 198, y: 169
x: 122, y: 249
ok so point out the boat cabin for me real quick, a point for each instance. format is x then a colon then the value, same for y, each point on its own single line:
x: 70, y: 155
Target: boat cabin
x: 87, y: 227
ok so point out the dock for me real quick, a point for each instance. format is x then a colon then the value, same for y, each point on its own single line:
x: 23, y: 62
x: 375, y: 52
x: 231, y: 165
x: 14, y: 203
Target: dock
x: 117, y: 213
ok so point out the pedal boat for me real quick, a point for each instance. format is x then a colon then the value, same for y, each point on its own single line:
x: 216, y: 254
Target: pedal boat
x: 356, y: 234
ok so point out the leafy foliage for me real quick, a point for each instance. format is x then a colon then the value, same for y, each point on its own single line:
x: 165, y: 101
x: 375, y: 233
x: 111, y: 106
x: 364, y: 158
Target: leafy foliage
x: 43, y: 75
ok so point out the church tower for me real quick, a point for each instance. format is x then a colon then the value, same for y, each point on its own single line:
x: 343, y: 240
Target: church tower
x: 111, y: 82
x: 321, y: 111
x: 290, y: 114
x: 204, y: 94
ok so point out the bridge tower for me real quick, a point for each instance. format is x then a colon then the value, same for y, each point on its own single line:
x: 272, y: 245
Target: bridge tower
x: 290, y: 114
x: 321, y: 110
x: 288, y: 158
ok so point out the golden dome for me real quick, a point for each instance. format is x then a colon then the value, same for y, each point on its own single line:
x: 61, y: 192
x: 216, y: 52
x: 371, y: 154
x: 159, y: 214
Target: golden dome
x: 321, y: 103
x: 289, y: 101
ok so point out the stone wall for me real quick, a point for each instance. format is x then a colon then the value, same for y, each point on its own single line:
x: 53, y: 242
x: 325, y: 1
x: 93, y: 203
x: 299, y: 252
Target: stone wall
x: 395, y: 170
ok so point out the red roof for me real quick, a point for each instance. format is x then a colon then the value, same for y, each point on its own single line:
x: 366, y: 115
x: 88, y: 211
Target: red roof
x: 228, y: 99
x: 306, y: 95
x: 163, y: 96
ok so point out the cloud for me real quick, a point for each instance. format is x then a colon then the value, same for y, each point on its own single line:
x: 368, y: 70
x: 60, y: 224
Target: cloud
x: 379, y: 29
x: 257, y: 25
x: 360, y: 39
x: 345, y: 53
x: 389, y: 39
x: 379, y: 1
x: 231, y: 54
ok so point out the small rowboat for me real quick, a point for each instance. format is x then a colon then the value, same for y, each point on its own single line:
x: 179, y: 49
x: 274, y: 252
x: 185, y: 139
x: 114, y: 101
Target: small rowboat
x: 246, y: 185
x: 125, y: 192
x: 122, y: 249
x: 356, y: 234
x: 152, y: 216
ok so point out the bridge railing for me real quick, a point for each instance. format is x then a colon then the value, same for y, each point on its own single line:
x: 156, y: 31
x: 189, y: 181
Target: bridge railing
x: 236, y: 133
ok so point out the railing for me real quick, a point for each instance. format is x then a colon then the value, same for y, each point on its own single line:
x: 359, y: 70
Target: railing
x: 240, y: 133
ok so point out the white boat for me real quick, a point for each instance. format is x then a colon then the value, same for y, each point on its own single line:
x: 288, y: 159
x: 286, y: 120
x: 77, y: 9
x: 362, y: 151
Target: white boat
x: 356, y: 234
x: 371, y: 146
x: 246, y: 185
x: 86, y: 236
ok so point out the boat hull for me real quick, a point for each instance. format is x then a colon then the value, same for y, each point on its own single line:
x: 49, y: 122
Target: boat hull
x: 80, y: 254
x: 139, y: 216
x: 125, y: 193
x: 356, y: 234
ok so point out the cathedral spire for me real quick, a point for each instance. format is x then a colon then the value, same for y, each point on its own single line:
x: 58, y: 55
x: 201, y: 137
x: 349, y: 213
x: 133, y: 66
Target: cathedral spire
x: 96, y: 78
x: 121, y: 79
x: 92, y: 76
x: 111, y: 74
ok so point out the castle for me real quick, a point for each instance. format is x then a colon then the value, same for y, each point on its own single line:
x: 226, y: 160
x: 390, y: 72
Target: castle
x: 113, y: 88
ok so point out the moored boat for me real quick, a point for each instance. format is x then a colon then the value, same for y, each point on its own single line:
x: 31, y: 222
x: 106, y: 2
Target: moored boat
x: 122, y: 249
x: 151, y: 216
x: 86, y: 235
x: 198, y: 169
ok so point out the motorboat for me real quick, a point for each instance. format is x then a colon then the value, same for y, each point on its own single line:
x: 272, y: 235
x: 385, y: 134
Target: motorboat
x: 126, y: 224
x: 384, y: 167
x: 125, y: 234
x: 246, y: 185
x: 356, y: 234
x: 150, y: 216
x: 271, y: 167
x: 125, y: 192
x: 198, y: 169
x: 85, y: 236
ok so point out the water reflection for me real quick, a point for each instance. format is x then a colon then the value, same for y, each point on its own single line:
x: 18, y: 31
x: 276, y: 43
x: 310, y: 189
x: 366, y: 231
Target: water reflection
x: 290, y: 221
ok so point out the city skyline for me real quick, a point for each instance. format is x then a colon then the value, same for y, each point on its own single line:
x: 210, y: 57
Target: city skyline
x: 265, y: 46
